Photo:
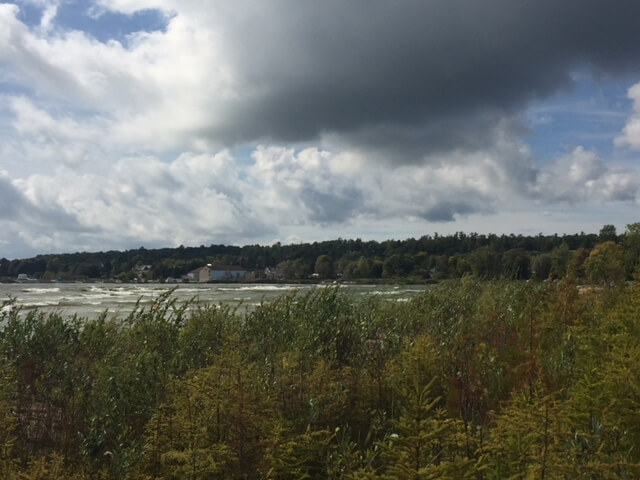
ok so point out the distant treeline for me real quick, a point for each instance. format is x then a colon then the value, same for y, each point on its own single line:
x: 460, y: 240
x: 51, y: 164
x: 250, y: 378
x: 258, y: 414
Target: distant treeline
x: 424, y: 259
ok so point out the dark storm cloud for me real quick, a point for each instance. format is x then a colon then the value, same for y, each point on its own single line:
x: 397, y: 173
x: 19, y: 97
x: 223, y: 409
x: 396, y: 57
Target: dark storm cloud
x: 366, y: 70
x: 408, y: 143
x: 445, y: 210
x: 337, y: 206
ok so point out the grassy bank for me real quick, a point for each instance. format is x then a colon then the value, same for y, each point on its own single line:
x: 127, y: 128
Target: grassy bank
x: 468, y: 380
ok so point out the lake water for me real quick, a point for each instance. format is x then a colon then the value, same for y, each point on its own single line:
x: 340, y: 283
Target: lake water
x: 91, y: 299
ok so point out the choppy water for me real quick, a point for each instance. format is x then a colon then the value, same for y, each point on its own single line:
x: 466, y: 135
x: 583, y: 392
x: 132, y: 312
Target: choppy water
x: 91, y: 299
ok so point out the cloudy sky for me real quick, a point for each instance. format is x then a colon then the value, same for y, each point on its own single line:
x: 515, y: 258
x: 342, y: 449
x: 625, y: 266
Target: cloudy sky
x: 128, y: 123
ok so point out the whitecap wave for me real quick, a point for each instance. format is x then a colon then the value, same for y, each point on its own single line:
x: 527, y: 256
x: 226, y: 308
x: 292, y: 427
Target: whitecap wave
x: 42, y: 290
x: 260, y: 288
x: 39, y: 304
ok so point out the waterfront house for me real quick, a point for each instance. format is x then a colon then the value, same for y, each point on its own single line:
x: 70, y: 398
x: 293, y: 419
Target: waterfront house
x: 222, y: 273
x: 194, y: 275
x: 217, y: 273
x: 24, y: 278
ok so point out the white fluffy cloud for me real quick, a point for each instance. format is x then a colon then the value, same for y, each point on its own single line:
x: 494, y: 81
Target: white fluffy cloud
x: 163, y: 90
x: 582, y: 176
x: 200, y: 198
x: 215, y: 198
x: 631, y: 134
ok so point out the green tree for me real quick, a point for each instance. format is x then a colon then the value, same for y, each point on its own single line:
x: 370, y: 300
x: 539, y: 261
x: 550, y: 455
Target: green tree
x: 575, y: 269
x: 516, y: 264
x: 526, y: 440
x: 485, y: 262
x: 397, y: 265
x: 607, y: 234
x: 603, y: 409
x: 425, y: 442
x: 313, y: 455
x: 213, y: 425
x: 631, y: 243
x: 364, y: 268
x: 541, y: 266
x: 324, y: 266
x: 560, y: 258
x: 605, y: 263
x: 442, y: 267
x: 287, y: 269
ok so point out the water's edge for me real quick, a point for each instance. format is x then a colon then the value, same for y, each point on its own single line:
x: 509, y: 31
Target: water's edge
x: 92, y: 299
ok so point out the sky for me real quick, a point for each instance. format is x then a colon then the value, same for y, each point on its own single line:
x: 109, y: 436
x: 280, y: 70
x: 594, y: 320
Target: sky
x: 161, y: 123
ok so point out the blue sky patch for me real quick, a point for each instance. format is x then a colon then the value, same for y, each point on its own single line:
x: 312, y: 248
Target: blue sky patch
x: 591, y: 114
x: 103, y: 25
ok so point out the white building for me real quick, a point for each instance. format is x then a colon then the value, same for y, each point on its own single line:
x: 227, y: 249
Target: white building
x: 218, y: 273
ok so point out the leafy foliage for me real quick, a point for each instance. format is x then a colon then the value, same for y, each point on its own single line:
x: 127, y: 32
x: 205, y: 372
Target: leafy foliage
x: 426, y: 258
x: 472, y: 379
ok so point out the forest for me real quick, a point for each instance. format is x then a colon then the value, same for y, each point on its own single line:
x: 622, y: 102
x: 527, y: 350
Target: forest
x: 474, y: 378
x: 423, y: 260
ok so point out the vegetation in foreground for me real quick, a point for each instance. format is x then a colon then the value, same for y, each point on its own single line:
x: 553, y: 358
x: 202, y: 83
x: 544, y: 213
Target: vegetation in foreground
x: 472, y: 379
